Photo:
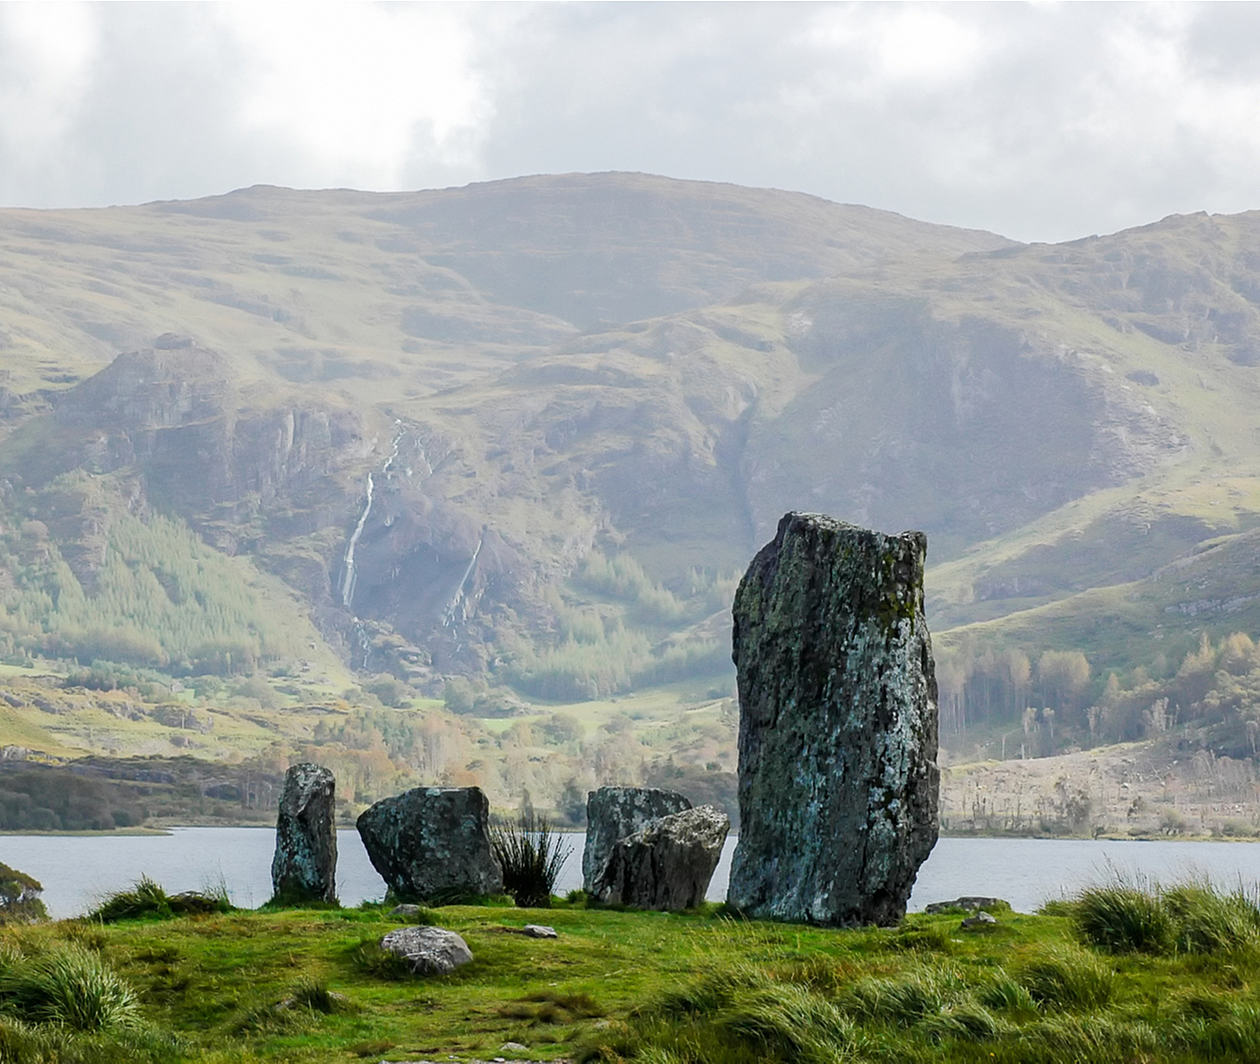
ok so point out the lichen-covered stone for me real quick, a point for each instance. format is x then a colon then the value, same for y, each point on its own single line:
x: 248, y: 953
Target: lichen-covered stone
x: 304, y: 867
x: 667, y: 864
x: 432, y: 844
x: 612, y: 813
x: 429, y: 950
x: 838, y: 728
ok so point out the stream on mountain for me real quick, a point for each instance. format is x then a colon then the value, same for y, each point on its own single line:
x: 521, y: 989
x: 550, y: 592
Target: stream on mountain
x: 78, y: 870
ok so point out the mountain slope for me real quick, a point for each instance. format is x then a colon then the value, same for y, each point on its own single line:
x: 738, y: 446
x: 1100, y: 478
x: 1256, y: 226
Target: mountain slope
x: 531, y: 431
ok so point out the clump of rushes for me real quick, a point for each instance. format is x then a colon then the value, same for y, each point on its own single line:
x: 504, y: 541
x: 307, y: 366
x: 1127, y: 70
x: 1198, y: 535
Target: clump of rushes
x: 531, y: 855
x: 147, y: 900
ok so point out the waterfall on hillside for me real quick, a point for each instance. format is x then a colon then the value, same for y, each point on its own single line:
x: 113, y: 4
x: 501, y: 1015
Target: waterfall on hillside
x: 457, y: 598
x: 350, y: 574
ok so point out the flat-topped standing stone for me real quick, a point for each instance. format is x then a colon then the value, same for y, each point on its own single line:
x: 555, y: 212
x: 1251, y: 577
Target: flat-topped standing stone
x: 304, y: 867
x: 667, y: 864
x: 837, y: 731
x: 432, y: 844
x: 612, y: 813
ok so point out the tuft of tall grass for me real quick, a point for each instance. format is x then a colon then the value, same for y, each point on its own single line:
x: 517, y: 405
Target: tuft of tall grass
x: 369, y: 958
x: 901, y: 1000
x: 22, y: 1043
x: 1099, y: 1039
x: 531, y: 856
x: 1124, y: 919
x: 314, y: 996
x: 1189, y: 918
x: 964, y: 1021
x: 788, y: 1022
x: 1007, y: 995
x: 147, y: 900
x: 1231, y: 1034
x: 69, y: 986
x: 1209, y: 922
x: 904, y: 999
x: 1068, y: 980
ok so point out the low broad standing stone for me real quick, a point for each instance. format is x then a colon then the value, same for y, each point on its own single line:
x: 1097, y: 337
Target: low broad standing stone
x: 612, y: 813
x: 666, y: 865
x: 432, y: 844
x: 304, y: 867
x: 429, y: 950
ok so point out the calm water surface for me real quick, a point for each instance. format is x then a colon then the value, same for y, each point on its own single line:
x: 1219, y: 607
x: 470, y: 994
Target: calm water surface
x: 76, y: 871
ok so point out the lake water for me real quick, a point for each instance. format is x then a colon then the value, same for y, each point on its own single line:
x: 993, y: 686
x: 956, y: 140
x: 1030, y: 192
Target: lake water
x: 76, y: 871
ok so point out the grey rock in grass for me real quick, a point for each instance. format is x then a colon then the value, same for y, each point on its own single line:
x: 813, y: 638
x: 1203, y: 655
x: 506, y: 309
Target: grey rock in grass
x: 612, y: 813
x: 304, y: 867
x: 432, y: 844
x: 981, y: 921
x: 429, y: 950
x: 838, y: 779
x: 968, y: 903
x: 667, y: 864
x: 539, y: 931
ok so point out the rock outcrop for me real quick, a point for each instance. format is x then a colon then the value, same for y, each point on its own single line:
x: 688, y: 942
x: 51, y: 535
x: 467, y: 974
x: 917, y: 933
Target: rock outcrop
x: 429, y: 950
x: 432, y: 844
x: 305, y: 864
x: 838, y: 730
x: 667, y: 864
x: 612, y: 813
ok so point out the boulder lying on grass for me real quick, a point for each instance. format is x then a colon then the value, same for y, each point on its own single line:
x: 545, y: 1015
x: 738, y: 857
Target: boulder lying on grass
x: 612, y: 813
x: 304, y: 867
x: 838, y: 730
x: 429, y: 950
x: 667, y: 864
x: 432, y: 844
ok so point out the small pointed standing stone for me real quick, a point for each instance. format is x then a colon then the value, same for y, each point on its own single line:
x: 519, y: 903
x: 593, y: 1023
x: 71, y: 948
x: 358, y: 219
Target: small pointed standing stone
x: 837, y: 726
x: 305, y: 864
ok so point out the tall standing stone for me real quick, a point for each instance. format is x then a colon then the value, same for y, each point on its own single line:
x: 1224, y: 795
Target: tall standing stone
x: 838, y: 729
x: 432, y: 844
x: 305, y: 864
x: 612, y: 813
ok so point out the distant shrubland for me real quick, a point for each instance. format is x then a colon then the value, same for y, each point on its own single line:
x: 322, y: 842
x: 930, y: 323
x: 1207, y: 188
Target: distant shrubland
x: 140, y: 593
x: 1057, y: 700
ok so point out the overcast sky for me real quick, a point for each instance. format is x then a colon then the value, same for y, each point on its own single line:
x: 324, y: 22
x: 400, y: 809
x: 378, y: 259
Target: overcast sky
x: 1044, y: 121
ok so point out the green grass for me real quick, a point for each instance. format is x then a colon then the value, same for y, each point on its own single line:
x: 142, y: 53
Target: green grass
x: 301, y: 986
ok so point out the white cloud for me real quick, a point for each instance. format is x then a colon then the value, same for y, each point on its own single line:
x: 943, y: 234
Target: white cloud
x: 45, y: 73
x: 1042, y: 121
x: 350, y: 87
